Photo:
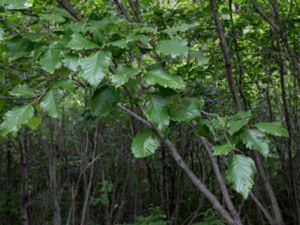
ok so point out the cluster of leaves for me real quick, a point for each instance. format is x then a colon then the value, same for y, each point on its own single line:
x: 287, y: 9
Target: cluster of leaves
x: 99, y: 57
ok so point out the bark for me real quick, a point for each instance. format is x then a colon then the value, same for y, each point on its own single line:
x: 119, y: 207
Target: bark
x: 193, y: 178
x: 221, y: 181
x: 227, y: 59
x: 25, y: 180
x: 226, y: 54
x: 88, y: 188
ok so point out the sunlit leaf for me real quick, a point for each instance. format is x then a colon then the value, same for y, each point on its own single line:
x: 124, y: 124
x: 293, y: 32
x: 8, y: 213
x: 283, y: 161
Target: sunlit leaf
x: 79, y: 42
x: 256, y: 140
x: 51, y: 60
x: 15, y: 118
x: 274, y: 128
x: 122, y: 75
x: 51, y: 103
x: 144, y: 144
x: 172, y: 47
x: 94, y: 67
x: 164, y: 79
x: 22, y: 90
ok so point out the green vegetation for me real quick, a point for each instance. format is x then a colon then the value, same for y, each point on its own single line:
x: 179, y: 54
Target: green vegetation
x: 149, y: 112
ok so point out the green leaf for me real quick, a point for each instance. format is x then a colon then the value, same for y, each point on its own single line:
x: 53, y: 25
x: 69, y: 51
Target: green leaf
x: 180, y: 28
x: 122, y: 75
x: 199, y: 57
x: 79, y: 42
x: 222, y: 149
x: 144, y: 144
x: 71, y: 62
x: 67, y: 85
x: 138, y: 37
x: 156, y: 111
x: 22, y: 90
x: 51, y: 103
x: 164, y: 79
x: 172, y: 47
x: 256, y: 140
x: 94, y: 67
x: 274, y: 128
x: 18, y: 47
x: 1, y: 34
x: 51, y: 60
x: 188, y: 109
x: 103, y: 101
x: 15, y: 118
x: 240, y: 174
x: 34, y: 122
x: 52, y: 18
x: 15, y: 4
x: 238, y: 121
x: 119, y: 43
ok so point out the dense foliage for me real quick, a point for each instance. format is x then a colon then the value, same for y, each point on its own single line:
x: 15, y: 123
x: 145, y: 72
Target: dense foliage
x: 149, y: 112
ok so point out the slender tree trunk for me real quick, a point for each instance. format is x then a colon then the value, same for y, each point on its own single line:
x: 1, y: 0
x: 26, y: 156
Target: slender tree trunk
x: 25, y: 180
x: 8, y: 214
x: 230, y: 80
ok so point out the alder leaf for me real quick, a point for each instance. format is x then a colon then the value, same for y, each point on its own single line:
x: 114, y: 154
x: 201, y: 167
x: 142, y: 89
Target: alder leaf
x: 274, y: 128
x: 79, y: 42
x: 172, y: 47
x: 22, y: 90
x: 104, y: 101
x: 122, y: 75
x: 164, y: 79
x: 15, y: 118
x: 156, y: 111
x: 256, y: 140
x: 187, y: 110
x: 222, y: 149
x: 238, y: 121
x: 240, y: 174
x: 51, y: 60
x: 94, y: 67
x: 144, y: 144
x: 51, y: 103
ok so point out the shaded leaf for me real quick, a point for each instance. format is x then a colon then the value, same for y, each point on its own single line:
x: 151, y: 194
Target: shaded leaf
x: 187, y: 110
x: 103, y: 101
x: 238, y: 121
x: 240, y: 174
x: 34, y: 122
x: 156, y: 111
x: 18, y: 47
